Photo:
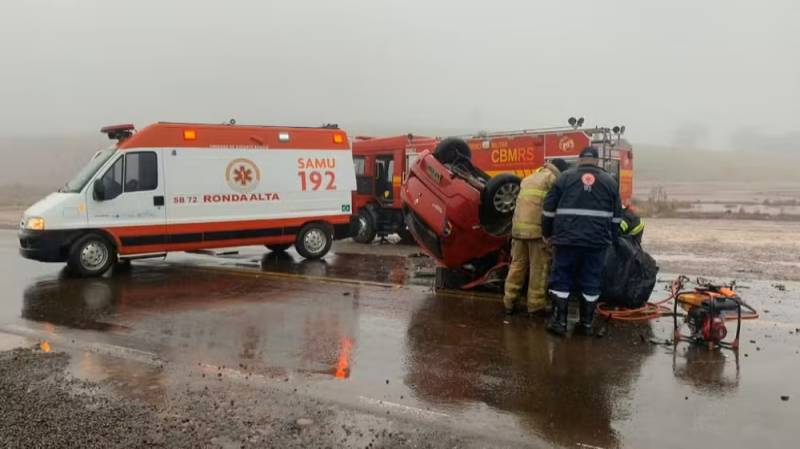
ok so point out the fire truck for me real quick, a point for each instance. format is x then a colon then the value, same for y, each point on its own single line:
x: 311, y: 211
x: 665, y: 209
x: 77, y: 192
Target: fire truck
x: 458, y: 200
x: 383, y: 164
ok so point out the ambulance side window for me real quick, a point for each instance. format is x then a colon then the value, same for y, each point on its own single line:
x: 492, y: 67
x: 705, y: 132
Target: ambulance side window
x: 112, y: 180
x: 141, y: 171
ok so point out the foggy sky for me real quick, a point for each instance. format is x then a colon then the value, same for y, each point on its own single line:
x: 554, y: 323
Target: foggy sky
x: 709, y: 67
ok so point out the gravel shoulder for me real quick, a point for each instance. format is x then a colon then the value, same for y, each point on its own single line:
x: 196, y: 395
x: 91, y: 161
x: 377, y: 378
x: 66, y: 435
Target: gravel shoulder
x: 45, y: 407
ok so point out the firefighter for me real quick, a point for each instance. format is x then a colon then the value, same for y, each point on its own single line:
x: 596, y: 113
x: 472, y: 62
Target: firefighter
x: 580, y: 217
x: 631, y: 224
x: 530, y: 255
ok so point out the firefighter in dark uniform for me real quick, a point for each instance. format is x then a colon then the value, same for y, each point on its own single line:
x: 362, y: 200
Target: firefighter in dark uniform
x: 580, y: 218
x: 631, y: 224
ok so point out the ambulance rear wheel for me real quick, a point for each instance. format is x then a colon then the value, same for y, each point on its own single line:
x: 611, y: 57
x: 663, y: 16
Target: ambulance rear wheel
x: 91, y: 255
x: 314, y: 240
x: 278, y: 247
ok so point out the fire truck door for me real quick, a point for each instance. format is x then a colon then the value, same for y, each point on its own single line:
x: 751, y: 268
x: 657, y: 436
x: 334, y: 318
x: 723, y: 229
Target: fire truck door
x: 384, y: 170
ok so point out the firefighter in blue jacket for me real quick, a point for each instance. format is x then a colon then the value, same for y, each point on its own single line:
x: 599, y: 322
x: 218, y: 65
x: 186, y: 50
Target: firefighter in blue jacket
x: 580, y: 218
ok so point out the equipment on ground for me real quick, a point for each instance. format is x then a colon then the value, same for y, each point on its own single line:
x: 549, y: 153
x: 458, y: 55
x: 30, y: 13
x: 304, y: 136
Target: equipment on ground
x: 707, y: 307
x: 629, y: 276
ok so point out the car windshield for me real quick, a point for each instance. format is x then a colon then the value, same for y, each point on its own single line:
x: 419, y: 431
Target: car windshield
x: 77, y: 183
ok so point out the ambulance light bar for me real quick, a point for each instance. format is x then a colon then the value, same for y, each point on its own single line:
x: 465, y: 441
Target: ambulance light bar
x: 118, y: 132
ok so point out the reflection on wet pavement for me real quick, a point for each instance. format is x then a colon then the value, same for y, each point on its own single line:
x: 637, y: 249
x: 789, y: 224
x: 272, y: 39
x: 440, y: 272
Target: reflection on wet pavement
x: 442, y: 353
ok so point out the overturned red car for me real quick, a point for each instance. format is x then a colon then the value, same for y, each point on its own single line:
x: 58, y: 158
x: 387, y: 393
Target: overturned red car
x: 461, y: 215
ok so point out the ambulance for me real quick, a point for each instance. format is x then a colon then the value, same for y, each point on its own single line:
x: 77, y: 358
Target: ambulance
x: 186, y: 187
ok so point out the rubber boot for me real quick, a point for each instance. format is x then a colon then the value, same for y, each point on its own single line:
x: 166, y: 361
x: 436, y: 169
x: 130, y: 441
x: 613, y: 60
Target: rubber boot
x: 584, y: 326
x: 558, y: 322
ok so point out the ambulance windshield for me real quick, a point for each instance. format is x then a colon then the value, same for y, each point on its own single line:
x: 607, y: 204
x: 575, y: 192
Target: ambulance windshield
x: 77, y: 183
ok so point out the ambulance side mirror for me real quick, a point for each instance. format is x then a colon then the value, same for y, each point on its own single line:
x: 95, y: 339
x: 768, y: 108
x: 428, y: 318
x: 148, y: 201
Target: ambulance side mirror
x: 99, y: 190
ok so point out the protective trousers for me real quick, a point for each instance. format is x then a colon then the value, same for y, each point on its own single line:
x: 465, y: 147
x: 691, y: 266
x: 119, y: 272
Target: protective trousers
x: 578, y: 263
x: 529, y: 258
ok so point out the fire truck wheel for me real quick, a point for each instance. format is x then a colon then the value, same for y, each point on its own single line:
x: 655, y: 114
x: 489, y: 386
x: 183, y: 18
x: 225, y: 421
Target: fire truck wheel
x: 366, y: 228
x: 278, y: 247
x: 499, y: 197
x: 91, y: 255
x: 314, y: 240
x: 452, y: 149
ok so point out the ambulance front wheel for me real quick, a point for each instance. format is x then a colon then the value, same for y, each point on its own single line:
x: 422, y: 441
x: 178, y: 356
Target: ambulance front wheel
x: 314, y: 240
x: 91, y: 255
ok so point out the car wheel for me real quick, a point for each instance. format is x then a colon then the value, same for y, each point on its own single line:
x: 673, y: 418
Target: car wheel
x: 499, y: 198
x: 366, y: 227
x: 278, y: 247
x: 452, y: 149
x: 314, y: 240
x: 91, y: 255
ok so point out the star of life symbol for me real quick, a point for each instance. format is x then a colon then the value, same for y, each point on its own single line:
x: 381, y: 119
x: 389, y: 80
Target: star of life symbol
x: 242, y: 175
x: 588, y: 181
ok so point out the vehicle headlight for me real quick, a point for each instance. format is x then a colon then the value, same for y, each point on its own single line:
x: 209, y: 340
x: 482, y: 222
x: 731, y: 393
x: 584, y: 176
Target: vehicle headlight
x: 35, y: 223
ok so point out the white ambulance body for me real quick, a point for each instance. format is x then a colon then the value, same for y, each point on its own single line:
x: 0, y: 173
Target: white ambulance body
x: 185, y: 187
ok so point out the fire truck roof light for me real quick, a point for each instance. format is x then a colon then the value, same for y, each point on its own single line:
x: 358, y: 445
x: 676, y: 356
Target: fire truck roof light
x: 283, y: 136
x: 338, y: 138
x: 189, y: 134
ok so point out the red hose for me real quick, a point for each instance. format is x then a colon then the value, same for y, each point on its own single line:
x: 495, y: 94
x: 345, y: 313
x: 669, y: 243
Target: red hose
x: 657, y: 309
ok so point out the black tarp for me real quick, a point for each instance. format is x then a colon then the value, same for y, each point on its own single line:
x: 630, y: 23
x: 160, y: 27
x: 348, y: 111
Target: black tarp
x: 629, y: 275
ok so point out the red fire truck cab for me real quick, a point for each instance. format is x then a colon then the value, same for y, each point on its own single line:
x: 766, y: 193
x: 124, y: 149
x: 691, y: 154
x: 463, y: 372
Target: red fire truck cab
x: 381, y: 166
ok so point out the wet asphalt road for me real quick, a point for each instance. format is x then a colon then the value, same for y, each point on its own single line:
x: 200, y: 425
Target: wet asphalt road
x: 364, y: 332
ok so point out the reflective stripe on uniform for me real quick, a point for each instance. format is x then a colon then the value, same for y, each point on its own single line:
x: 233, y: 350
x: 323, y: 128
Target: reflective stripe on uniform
x: 638, y: 229
x: 616, y: 220
x: 548, y: 214
x: 518, y: 225
x: 538, y: 193
x: 586, y: 213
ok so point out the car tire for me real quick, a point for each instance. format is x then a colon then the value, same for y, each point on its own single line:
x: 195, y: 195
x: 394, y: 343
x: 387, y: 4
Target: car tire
x: 314, y: 240
x: 278, y: 247
x: 91, y: 255
x: 365, y: 232
x: 451, y: 150
x: 499, y: 198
